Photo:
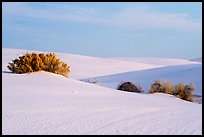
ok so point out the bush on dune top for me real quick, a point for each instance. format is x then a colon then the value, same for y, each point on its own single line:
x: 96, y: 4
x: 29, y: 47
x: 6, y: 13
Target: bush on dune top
x: 162, y: 87
x: 128, y: 86
x: 180, y: 90
x: 35, y: 62
x: 185, y: 92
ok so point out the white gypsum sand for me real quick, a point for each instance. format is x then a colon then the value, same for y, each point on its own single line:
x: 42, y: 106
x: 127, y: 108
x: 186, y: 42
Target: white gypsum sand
x: 46, y: 103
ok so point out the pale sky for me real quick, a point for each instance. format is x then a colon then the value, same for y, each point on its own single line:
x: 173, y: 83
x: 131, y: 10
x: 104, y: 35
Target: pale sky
x: 105, y: 29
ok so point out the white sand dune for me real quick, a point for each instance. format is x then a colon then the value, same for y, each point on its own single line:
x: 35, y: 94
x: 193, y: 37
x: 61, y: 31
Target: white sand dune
x: 46, y: 103
x: 158, y: 61
x: 191, y: 73
x: 197, y: 60
x: 84, y: 66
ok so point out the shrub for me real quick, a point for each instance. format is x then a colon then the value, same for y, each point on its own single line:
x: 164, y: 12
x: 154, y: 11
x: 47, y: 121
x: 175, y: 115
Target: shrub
x: 179, y: 90
x: 162, y: 87
x: 128, y: 86
x: 35, y: 62
x: 157, y: 86
x: 169, y: 88
x: 185, y: 92
x: 189, y: 89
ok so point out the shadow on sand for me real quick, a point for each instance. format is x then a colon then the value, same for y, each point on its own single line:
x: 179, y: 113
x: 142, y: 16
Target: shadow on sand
x: 6, y: 71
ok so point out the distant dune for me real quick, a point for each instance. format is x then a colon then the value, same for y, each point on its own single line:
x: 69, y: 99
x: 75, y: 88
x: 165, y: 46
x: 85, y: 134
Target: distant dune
x: 175, y: 74
x: 197, y: 60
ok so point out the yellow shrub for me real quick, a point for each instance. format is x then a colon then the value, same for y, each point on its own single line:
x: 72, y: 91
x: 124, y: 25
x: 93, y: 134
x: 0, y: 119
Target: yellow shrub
x: 35, y: 62
x: 168, y: 88
x: 162, y: 87
x: 179, y: 90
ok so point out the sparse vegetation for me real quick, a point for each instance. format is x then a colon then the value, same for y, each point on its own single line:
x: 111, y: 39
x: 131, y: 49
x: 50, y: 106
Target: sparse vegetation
x: 129, y: 86
x: 169, y: 88
x: 35, y: 62
x: 162, y: 87
x: 185, y: 92
x: 157, y: 86
x: 181, y: 90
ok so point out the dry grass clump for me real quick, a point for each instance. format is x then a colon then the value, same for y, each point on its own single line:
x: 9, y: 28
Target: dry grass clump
x: 157, y: 86
x: 35, y: 62
x: 180, y: 90
x: 169, y: 88
x: 185, y: 92
x: 160, y: 86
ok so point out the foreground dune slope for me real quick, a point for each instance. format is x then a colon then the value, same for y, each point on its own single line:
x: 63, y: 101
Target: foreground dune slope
x: 46, y: 103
